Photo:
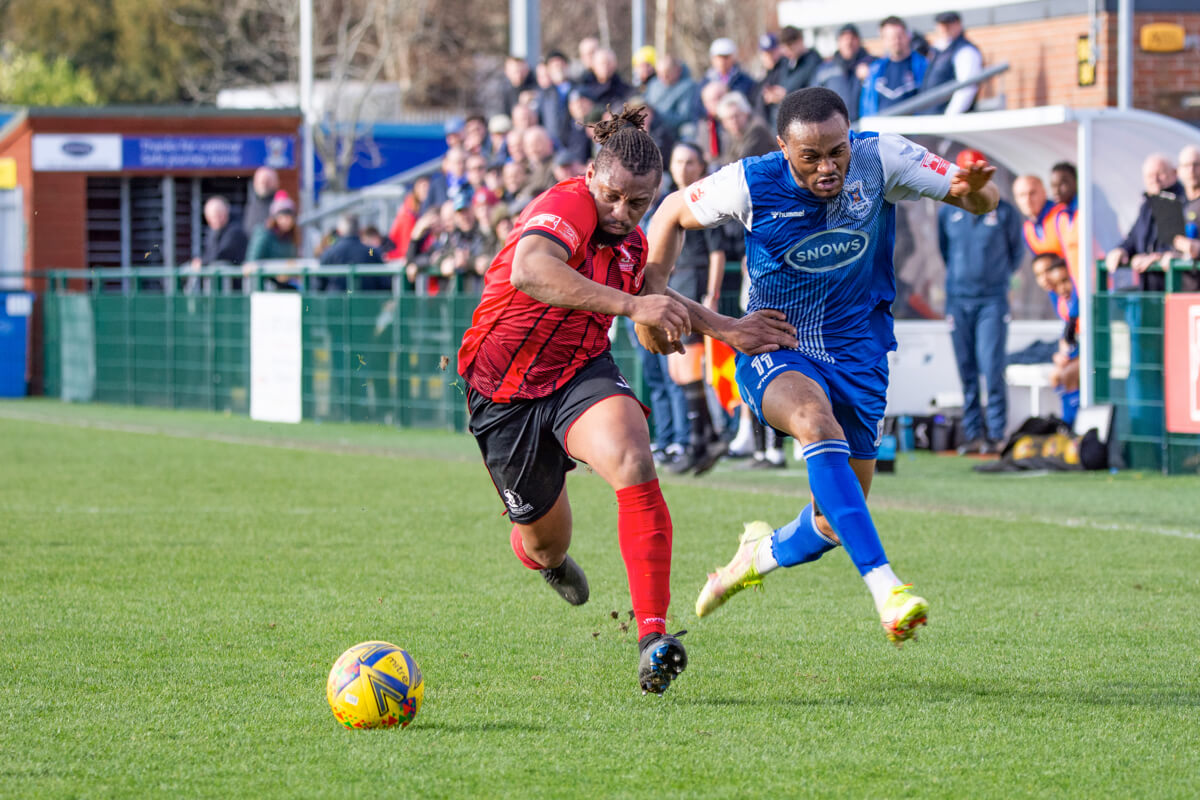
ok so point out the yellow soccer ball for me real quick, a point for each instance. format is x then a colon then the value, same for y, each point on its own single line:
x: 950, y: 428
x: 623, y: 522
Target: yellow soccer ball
x: 375, y: 685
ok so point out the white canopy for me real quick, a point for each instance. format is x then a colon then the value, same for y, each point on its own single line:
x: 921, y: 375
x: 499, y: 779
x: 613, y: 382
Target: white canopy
x: 1107, y: 145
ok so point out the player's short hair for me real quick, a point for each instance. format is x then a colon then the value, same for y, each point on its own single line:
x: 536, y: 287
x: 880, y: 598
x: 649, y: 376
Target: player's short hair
x: 811, y: 105
x: 623, y: 139
x: 893, y: 20
x: 1067, y: 167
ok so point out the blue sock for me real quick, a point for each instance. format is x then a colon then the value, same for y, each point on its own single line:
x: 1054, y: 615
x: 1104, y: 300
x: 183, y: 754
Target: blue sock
x: 1070, y: 406
x: 800, y: 541
x: 838, y: 493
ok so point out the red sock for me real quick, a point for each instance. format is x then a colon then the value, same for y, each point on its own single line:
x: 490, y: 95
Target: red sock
x: 518, y: 548
x: 644, y: 531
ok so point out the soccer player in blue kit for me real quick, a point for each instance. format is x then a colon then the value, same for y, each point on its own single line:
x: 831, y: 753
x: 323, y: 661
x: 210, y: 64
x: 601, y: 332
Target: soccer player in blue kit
x: 820, y: 228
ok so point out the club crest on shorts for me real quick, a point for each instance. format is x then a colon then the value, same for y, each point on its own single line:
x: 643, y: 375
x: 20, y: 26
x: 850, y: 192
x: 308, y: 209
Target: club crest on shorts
x: 514, y: 502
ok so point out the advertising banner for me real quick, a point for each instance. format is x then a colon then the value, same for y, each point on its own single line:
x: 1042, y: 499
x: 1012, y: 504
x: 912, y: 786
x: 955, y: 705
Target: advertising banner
x: 1181, y: 363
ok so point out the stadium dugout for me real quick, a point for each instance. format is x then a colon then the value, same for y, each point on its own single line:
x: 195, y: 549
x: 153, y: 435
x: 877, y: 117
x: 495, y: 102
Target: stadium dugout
x: 1106, y: 144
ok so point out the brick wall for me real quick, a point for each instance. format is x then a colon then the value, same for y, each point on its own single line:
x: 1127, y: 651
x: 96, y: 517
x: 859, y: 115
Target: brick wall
x: 1042, y: 64
x: 1161, y: 81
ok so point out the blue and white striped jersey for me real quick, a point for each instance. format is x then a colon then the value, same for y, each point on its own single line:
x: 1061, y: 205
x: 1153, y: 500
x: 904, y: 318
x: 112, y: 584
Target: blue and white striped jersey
x: 826, y: 264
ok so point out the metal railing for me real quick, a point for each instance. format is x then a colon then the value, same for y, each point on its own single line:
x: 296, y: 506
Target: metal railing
x: 938, y: 94
x: 375, y: 204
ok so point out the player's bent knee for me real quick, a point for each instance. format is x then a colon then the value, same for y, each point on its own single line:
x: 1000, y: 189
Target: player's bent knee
x: 630, y: 468
x: 809, y: 428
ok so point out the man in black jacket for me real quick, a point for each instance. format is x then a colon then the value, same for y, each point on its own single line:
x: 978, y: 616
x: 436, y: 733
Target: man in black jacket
x: 1142, y: 248
x: 347, y: 250
x: 796, y: 69
x: 846, y: 71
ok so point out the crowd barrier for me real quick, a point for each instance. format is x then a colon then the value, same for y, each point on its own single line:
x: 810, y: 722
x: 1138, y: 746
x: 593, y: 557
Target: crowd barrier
x: 176, y: 338
x: 1147, y: 366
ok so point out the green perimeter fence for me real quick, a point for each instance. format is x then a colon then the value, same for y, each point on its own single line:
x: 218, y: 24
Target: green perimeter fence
x: 170, y: 339
x: 166, y: 338
x: 1130, y: 367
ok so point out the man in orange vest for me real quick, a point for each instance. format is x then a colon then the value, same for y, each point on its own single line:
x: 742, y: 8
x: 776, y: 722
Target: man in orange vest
x: 1047, y: 229
x: 1041, y: 216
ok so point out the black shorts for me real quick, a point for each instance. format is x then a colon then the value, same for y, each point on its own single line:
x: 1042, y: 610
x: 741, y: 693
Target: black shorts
x: 524, y: 443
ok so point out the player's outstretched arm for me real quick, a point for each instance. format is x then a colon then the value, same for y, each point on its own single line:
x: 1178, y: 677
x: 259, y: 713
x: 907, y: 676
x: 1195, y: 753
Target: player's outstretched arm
x: 971, y: 189
x: 540, y: 270
x: 761, y: 332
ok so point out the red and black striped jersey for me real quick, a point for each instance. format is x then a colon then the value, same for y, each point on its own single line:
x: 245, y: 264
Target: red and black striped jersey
x: 520, y: 348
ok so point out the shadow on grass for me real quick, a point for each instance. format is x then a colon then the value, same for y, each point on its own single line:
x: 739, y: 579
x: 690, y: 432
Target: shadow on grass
x: 1115, y: 695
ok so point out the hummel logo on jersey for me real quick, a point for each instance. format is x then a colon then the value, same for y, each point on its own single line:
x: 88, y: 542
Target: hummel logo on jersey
x: 827, y: 250
x: 778, y: 214
x: 622, y: 383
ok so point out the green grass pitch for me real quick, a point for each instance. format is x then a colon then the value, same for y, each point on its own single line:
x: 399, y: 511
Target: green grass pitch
x: 174, y: 588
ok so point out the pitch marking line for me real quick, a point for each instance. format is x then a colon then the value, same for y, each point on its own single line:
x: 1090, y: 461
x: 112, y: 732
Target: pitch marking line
x: 348, y: 448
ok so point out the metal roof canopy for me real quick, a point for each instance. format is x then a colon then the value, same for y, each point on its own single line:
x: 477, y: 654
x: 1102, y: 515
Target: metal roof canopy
x: 1107, y: 146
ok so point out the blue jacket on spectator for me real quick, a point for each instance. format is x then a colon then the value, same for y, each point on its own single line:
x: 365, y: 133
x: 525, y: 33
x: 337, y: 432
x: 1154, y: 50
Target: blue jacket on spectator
x: 676, y: 104
x: 738, y: 81
x: 346, y: 251
x: 890, y: 82
x: 942, y: 69
x: 981, y: 252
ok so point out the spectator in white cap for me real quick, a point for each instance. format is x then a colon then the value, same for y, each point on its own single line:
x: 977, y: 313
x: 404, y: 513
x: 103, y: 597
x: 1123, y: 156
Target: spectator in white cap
x: 722, y: 54
x: 498, y: 127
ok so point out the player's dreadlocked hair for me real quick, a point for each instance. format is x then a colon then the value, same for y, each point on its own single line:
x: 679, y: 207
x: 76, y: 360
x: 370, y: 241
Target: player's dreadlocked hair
x: 811, y: 105
x: 623, y: 140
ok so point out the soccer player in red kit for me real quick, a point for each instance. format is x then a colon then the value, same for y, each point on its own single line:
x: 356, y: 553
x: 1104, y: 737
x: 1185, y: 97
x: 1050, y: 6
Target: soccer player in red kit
x: 543, y: 390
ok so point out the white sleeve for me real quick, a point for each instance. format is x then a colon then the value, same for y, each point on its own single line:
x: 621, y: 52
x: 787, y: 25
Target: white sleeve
x: 721, y: 197
x: 910, y: 171
x: 968, y: 62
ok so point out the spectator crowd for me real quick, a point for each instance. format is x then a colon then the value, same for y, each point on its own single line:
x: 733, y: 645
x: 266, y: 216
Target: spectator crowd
x: 533, y: 125
x: 533, y: 128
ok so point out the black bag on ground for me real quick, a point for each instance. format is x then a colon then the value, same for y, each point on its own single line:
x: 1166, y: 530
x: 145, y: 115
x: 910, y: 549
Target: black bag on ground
x: 1047, y: 443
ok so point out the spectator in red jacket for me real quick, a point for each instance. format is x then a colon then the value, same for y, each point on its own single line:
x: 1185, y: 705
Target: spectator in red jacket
x: 406, y: 218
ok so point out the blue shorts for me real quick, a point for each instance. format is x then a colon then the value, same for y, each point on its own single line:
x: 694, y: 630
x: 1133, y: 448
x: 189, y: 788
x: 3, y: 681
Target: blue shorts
x: 857, y: 392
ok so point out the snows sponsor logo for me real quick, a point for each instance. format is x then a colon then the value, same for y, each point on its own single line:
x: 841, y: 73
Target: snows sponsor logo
x: 935, y: 163
x: 827, y: 250
x: 556, y: 224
